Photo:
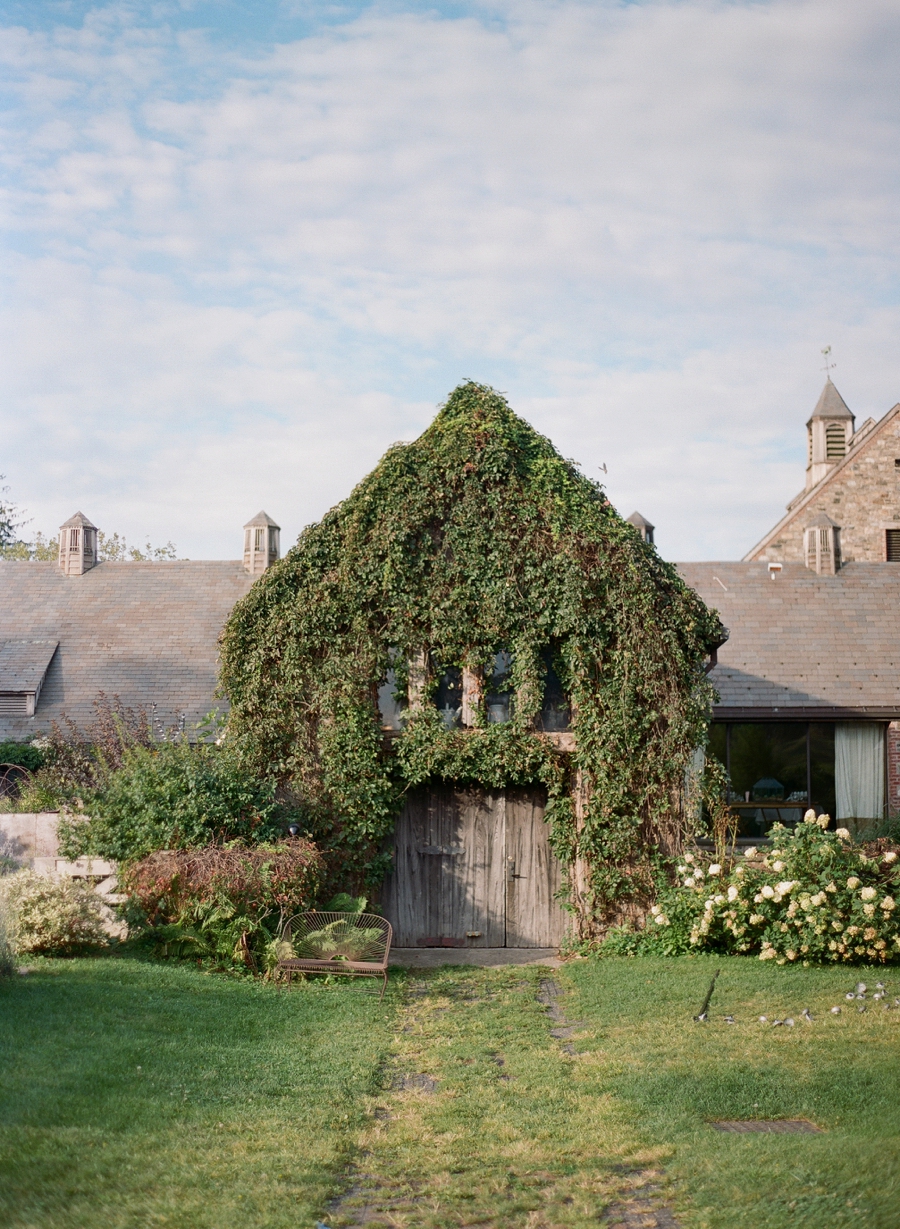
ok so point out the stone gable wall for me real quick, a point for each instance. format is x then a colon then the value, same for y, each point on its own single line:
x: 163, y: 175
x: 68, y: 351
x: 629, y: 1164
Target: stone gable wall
x: 863, y: 497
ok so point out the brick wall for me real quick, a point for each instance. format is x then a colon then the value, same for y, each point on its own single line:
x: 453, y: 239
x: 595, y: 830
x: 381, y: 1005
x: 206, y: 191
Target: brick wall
x: 893, y: 752
x: 862, y: 496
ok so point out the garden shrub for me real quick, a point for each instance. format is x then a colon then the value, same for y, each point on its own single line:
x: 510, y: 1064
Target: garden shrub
x: 7, y: 956
x: 27, y: 755
x: 173, y: 795
x: 57, y: 917
x: 224, y: 904
x: 813, y: 895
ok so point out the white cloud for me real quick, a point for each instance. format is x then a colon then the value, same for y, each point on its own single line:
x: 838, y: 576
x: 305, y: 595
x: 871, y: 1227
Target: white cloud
x: 240, y: 273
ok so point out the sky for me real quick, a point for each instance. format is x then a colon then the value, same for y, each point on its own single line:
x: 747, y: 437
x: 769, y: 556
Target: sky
x: 247, y: 246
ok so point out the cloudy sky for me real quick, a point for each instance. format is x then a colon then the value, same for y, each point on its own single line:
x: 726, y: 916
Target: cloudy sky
x: 248, y: 245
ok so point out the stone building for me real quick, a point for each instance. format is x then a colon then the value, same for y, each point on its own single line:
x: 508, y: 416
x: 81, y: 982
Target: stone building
x: 809, y: 680
x: 146, y: 633
x: 849, y: 510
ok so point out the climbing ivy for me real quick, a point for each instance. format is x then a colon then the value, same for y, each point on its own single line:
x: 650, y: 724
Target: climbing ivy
x: 477, y: 538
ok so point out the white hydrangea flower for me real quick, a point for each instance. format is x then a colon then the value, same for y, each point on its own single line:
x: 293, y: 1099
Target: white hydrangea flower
x: 733, y: 893
x: 654, y: 909
x: 777, y: 866
x: 739, y: 870
x: 888, y: 904
x: 869, y: 910
x: 889, y: 857
x: 809, y: 817
x: 868, y: 894
x: 843, y: 833
x: 756, y: 918
x: 768, y: 891
x: 715, y: 869
x: 698, y: 874
x: 689, y: 857
x: 751, y: 852
x: 786, y: 887
x: 720, y: 899
x: 823, y: 821
x: 852, y: 883
x: 661, y: 919
x: 831, y: 887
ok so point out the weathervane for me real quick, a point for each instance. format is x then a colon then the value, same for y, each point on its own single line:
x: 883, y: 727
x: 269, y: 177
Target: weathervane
x: 829, y: 366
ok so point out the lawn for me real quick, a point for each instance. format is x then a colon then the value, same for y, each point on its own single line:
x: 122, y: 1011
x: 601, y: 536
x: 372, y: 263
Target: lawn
x: 137, y: 1094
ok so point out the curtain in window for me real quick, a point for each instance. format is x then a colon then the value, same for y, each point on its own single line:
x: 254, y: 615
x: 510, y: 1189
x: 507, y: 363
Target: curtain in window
x: 859, y: 769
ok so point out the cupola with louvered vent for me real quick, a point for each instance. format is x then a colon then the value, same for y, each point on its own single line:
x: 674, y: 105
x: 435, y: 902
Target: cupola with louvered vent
x: 643, y: 526
x: 77, y: 545
x: 262, y: 543
x: 822, y: 544
x: 829, y: 434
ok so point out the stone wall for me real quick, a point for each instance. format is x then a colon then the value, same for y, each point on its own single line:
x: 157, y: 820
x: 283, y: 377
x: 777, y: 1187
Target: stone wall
x: 862, y: 495
x: 29, y: 835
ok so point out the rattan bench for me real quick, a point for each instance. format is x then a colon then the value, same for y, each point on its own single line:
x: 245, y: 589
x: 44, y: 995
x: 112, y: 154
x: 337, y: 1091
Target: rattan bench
x: 348, y: 944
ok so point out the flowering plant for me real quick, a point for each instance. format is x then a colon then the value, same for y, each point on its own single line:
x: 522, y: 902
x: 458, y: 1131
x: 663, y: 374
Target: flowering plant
x: 811, y: 896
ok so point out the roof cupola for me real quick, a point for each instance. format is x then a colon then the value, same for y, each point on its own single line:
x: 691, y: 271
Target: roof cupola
x: 822, y: 545
x: 77, y: 545
x: 643, y: 526
x: 829, y: 434
x: 262, y: 543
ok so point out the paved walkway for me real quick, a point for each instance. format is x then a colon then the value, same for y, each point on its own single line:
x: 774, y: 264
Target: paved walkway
x: 481, y: 957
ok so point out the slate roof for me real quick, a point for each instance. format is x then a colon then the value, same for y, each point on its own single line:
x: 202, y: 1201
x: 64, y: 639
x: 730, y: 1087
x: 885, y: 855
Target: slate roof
x: 804, y: 646
x: 831, y: 404
x: 146, y: 632
x: 23, y: 664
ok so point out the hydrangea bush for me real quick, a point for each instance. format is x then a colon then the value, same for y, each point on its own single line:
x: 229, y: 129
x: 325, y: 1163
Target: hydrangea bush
x: 813, y: 895
x: 53, y: 916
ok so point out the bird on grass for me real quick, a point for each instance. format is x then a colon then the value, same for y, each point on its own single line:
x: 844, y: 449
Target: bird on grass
x: 835, y: 1011
x: 806, y: 1016
x: 863, y: 1007
x: 789, y: 1022
x: 729, y: 1019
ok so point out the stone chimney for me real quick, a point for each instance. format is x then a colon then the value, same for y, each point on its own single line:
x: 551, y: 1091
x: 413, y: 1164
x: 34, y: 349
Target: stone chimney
x: 77, y: 545
x: 262, y: 544
x: 643, y: 526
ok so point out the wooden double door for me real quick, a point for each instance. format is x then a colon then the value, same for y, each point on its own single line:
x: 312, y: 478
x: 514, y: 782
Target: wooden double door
x: 474, y: 868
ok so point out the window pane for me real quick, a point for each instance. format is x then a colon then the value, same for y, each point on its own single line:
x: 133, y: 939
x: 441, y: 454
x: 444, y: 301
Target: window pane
x: 498, y: 697
x: 821, y: 740
x: 448, y: 696
x: 769, y: 762
x: 555, y: 712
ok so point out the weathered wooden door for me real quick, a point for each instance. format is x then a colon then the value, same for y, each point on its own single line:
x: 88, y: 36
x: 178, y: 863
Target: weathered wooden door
x: 473, y: 868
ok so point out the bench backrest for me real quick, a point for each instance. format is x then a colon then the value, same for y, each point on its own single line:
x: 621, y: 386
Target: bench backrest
x: 363, y: 937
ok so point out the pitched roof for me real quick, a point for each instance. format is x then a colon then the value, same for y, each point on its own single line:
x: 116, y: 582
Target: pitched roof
x: 79, y: 519
x: 831, y: 404
x: 804, y: 646
x: 262, y: 518
x: 146, y: 632
x: 639, y: 522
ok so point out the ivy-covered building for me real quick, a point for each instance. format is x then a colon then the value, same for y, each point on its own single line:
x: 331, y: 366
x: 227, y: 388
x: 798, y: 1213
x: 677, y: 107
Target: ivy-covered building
x: 479, y: 680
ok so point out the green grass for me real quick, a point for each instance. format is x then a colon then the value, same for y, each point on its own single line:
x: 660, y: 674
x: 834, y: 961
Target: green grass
x: 674, y: 1077
x: 136, y: 1094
